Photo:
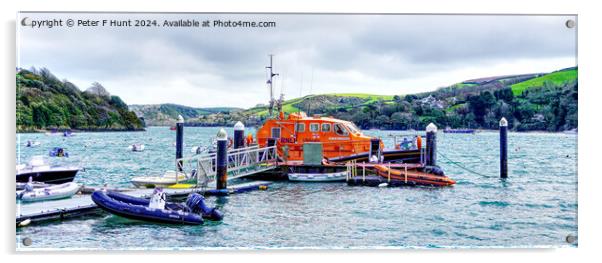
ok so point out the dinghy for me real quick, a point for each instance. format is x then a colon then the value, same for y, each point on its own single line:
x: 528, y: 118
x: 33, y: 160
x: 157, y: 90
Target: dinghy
x: 318, y: 177
x: 60, y: 191
x: 316, y: 173
x: 58, y: 152
x: 431, y: 176
x: 169, y: 178
x: 136, y: 147
x: 193, y: 212
x: 32, y: 144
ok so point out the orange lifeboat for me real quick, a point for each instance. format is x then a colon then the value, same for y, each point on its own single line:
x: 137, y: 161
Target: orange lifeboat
x: 338, y: 137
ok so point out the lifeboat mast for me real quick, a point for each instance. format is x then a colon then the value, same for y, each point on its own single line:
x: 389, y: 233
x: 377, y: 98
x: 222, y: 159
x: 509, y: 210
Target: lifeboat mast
x: 270, y: 83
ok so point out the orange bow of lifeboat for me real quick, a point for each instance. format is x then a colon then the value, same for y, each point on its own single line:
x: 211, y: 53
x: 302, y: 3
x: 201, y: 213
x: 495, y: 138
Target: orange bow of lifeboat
x: 413, y: 176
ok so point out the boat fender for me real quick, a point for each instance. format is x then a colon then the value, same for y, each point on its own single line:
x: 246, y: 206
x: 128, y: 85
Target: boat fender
x: 196, y: 203
x: 25, y: 222
x: 383, y: 185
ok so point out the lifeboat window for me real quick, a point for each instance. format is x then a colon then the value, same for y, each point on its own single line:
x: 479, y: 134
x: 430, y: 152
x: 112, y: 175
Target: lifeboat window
x: 314, y: 127
x: 325, y: 127
x: 300, y: 127
x: 339, y: 129
x: 353, y: 128
x: 275, y: 132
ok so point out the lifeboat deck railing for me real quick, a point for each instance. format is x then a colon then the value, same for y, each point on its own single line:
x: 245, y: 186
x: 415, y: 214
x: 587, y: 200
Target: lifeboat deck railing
x: 241, y: 162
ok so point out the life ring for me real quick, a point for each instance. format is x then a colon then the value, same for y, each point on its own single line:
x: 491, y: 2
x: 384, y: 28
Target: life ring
x: 230, y: 142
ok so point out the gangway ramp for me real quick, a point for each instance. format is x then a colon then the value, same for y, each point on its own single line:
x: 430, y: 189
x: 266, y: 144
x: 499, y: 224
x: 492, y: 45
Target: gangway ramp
x: 242, y: 162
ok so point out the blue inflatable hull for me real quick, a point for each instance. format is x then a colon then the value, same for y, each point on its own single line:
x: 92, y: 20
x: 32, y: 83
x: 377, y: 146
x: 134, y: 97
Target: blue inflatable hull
x: 137, y: 208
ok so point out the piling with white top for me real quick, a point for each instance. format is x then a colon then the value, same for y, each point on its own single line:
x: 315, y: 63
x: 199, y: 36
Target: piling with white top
x: 503, y: 148
x: 239, y: 135
x: 179, y: 141
x: 431, y: 144
x: 222, y: 160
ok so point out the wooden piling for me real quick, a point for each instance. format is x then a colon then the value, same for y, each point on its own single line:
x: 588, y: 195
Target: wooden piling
x: 503, y: 148
x: 222, y: 160
x: 239, y: 135
x: 431, y: 144
x: 179, y: 142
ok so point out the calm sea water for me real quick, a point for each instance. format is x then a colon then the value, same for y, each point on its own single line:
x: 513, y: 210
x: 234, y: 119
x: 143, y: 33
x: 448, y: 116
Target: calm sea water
x: 536, y: 206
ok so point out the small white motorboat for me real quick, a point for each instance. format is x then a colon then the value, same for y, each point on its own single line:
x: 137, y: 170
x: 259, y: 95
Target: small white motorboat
x: 60, y: 191
x: 136, y: 147
x: 318, y: 177
x: 32, y: 144
x: 39, y: 170
x: 167, y: 179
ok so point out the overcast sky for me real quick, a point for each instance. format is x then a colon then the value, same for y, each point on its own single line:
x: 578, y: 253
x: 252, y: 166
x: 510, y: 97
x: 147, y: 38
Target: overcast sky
x: 314, y: 54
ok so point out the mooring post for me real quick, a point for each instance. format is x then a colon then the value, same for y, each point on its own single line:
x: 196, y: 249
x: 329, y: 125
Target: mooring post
x: 503, y: 148
x: 179, y: 142
x: 222, y: 160
x: 239, y: 135
x: 431, y: 144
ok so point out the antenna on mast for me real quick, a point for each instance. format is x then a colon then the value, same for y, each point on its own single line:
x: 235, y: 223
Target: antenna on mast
x: 270, y: 83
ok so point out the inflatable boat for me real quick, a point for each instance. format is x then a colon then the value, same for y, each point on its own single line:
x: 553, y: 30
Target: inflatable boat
x: 193, y: 212
x: 432, y: 177
x: 53, y: 192
x: 58, y: 152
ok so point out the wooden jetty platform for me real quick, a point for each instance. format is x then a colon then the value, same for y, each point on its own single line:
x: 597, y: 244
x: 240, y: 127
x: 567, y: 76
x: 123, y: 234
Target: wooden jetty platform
x: 82, y: 204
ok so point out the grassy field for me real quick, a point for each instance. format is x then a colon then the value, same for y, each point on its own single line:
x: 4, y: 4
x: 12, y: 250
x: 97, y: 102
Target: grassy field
x: 463, y: 85
x: 288, y: 105
x: 556, y: 78
x: 371, y: 97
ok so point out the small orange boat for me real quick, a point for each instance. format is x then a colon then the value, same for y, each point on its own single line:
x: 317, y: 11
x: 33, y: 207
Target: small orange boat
x: 413, y: 176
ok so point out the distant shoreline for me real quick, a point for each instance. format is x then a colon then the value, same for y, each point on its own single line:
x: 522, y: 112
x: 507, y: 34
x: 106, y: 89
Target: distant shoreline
x: 79, y: 131
x: 476, y: 130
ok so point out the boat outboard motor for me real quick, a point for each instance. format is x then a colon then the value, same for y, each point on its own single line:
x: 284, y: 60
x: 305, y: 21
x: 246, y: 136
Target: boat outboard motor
x: 157, y: 200
x: 196, y: 203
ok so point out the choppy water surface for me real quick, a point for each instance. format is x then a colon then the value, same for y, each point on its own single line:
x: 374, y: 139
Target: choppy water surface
x: 536, y: 206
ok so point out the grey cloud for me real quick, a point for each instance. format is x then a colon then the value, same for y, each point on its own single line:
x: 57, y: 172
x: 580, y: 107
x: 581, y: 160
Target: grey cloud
x: 382, y: 47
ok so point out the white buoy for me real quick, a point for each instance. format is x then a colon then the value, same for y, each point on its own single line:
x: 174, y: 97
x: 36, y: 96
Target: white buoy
x: 383, y: 185
x: 25, y: 222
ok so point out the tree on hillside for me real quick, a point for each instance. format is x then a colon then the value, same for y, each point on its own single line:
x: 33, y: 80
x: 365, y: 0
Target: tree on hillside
x: 98, y: 90
x: 480, y: 104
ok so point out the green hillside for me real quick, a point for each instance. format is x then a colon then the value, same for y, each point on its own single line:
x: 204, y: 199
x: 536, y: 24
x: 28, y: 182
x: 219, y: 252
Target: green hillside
x: 555, y: 78
x: 167, y: 114
x: 45, y: 102
x: 324, y: 101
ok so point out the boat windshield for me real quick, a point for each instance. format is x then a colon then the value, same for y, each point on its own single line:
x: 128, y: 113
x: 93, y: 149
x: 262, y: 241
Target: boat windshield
x: 353, y: 128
